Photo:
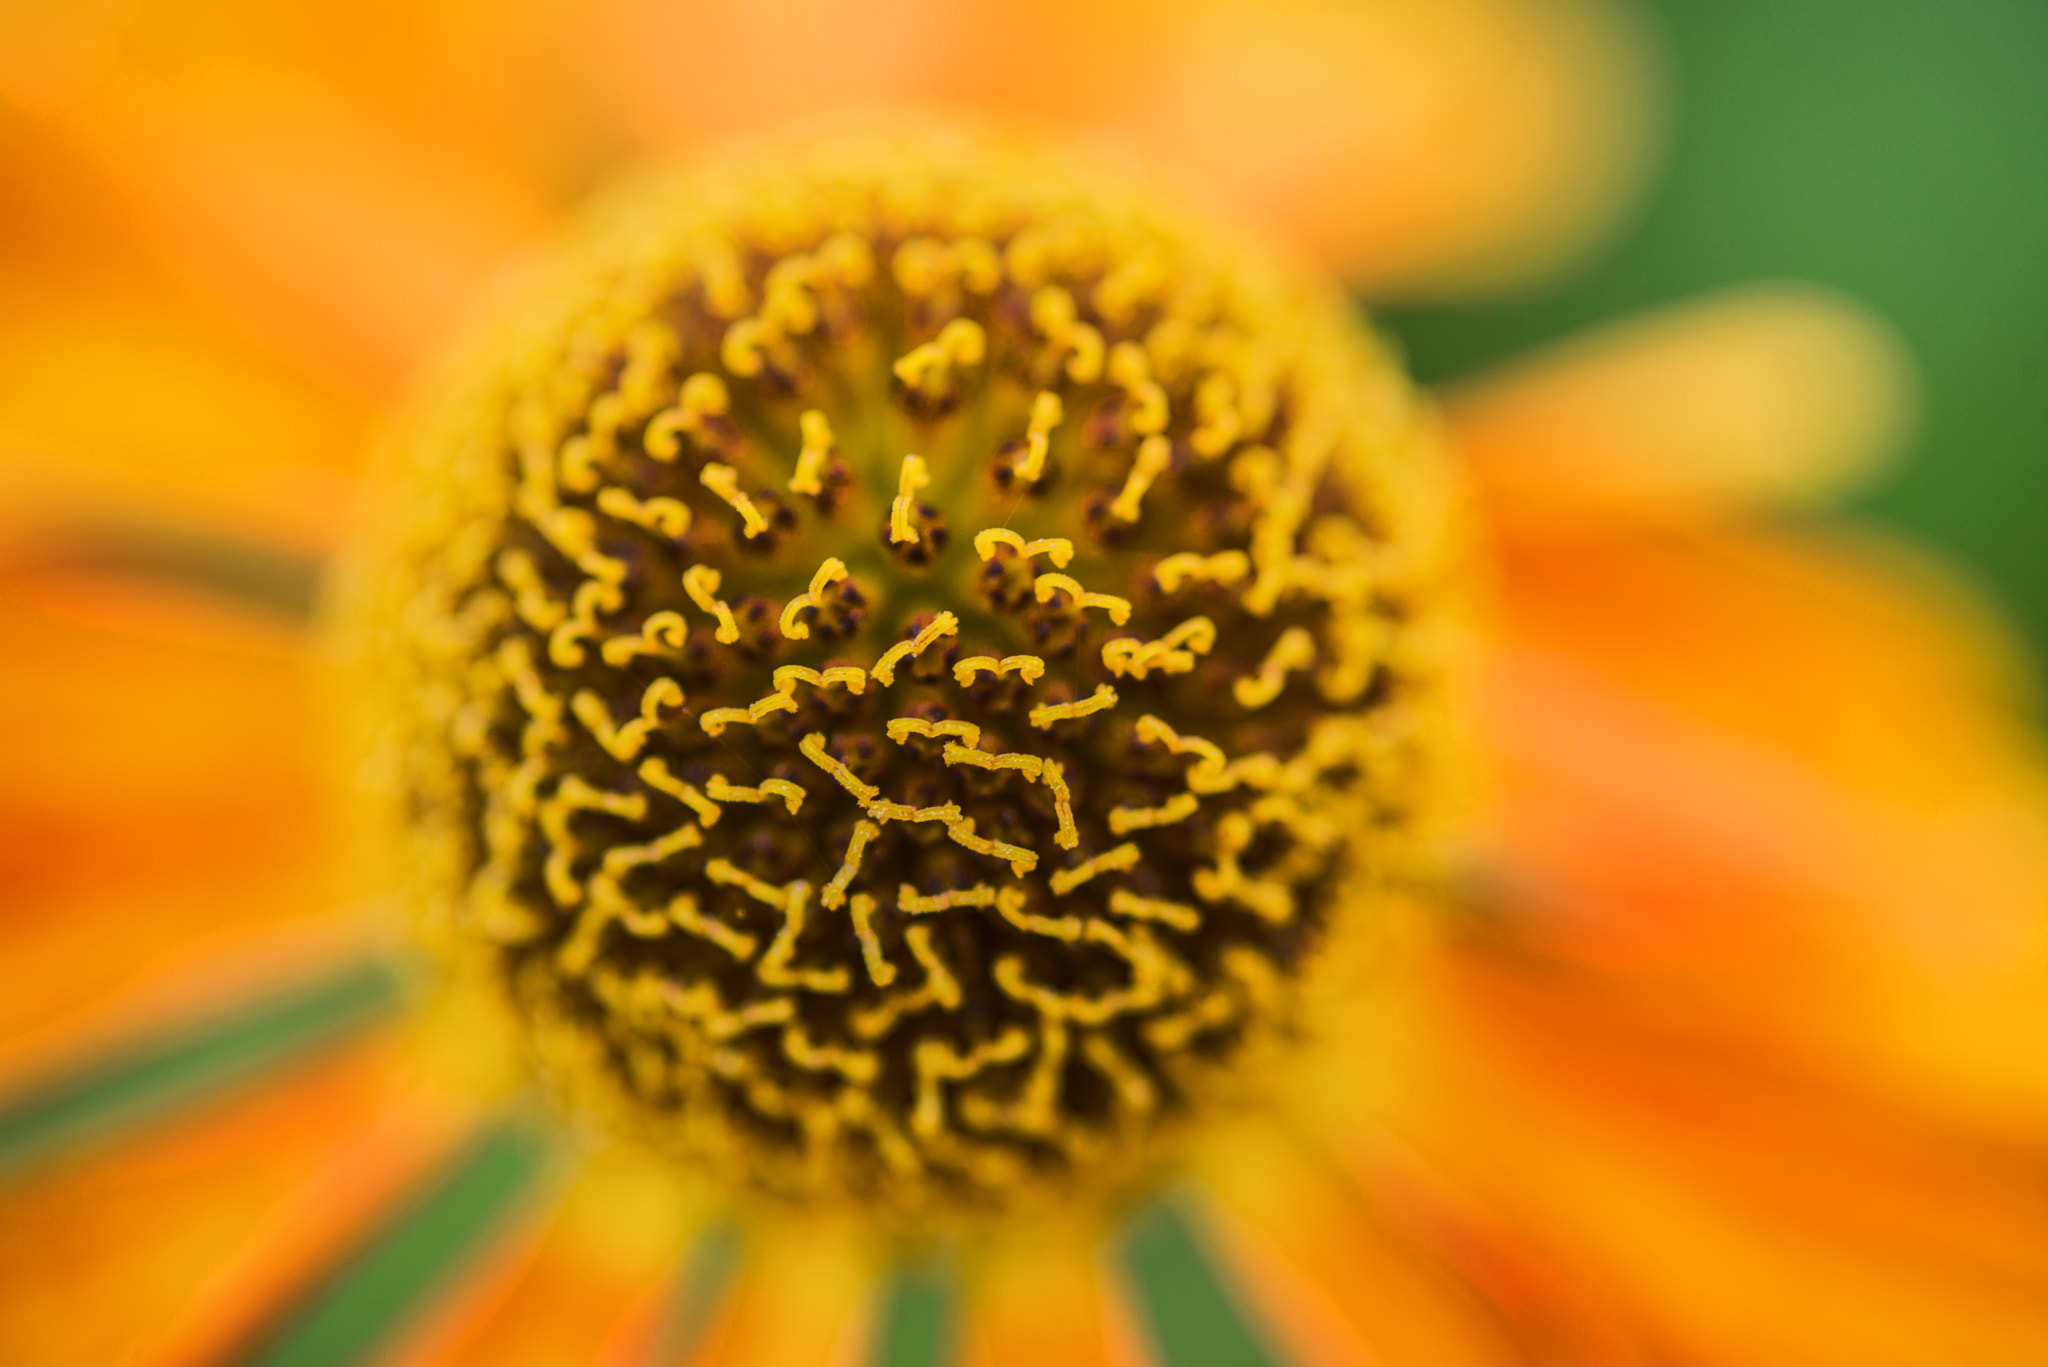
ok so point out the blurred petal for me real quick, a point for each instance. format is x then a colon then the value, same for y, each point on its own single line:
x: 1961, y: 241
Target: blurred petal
x: 801, y: 1298
x: 164, y: 780
x: 451, y: 1251
x: 1336, y: 1284
x: 375, y: 1165
x: 1762, y: 397
x: 1038, y: 1297
x: 1401, y: 142
x: 1756, y: 1213
x: 341, y: 182
x: 1784, y: 790
x: 683, y: 72
x: 120, y: 403
x: 168, y: 1047
x: 607, y: 1254
x: 97, y: 1257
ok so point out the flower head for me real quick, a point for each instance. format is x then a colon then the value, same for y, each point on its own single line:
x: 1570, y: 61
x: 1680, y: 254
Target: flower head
x: 899, y: 657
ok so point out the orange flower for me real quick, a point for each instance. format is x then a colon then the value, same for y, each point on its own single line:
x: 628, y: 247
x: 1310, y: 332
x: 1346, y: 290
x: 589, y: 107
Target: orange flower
x: 1729, y: 1052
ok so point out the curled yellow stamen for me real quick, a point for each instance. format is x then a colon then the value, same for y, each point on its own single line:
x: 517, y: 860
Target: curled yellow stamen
x: 1027, y: 667
x: 1224, y: 567
x: 1055, y: 548
x: 901, y: 729
x: 1021, y: 860
x: 817, y: 449
x: 913, y: 903
x: 1068, y: 837
x: 945, y: 624
x: 1046, y: 414
x: 928, y: 370
x: 1123, y: 820
x: 655, y: 774
x: 1027, y: 765
x: 1124, y: 856
x: 1177, y: 915
x: 1173, y: 653
x: 717, y: 719
x: 1012, y: 903
x: 701, y: 583
x: 833, y: 571
x: 625, y: 742
x: 880, y: 971
x: 813, y: 748
x: 664, y: 516
x: 1044, y: 717
x: 774, y: 969
x: 914, y: 476
x: 661, y: 633
x: 703, y: 396
x: 787, y: 677
x: 770, y: 789
x: 724, y: 481
x: 1154, y: 454
x: 1119, y: 609
x: 536, y: 607
x: 1295, y: 649
x: 1130, y: 371
x: 834, y: 893
x: 881, y: 810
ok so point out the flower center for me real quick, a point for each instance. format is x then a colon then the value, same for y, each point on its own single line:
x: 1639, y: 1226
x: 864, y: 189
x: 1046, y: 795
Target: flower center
x: 901, y: 656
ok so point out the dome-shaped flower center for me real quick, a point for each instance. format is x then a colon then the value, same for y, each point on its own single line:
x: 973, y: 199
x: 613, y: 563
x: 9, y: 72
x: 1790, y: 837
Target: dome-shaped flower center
x: 901, y: 656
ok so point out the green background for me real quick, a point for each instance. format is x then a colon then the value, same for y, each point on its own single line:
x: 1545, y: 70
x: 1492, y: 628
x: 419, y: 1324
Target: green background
x: 1896, y: 150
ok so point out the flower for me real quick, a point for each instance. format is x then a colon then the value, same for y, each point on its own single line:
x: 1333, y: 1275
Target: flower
x: 917, y: 830
x: 1739, y: 997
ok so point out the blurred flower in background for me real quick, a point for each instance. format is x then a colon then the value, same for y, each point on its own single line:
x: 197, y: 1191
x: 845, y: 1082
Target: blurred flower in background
x: 1730, y: 1050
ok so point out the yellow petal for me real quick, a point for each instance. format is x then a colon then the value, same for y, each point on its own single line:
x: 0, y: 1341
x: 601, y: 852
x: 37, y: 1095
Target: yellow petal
x: 1764, y: 397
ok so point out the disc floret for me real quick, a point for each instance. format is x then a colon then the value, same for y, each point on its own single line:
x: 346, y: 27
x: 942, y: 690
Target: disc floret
x: 898, y: 660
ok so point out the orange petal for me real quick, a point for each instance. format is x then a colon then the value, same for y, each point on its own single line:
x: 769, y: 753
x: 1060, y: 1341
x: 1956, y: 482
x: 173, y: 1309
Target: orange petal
x: 1403, y: 144
x: 605, y: 1257
x: 341, y: 180
x: 164, y: 780
x: 684, y: 72
x: 1759, y: 398
x: 1399, y: 142
x: 1345, y: 1275
x: 121, y: 404
x: 1754, y: 1213
x: 99, y: 1255
x: 802, y: 1297
x: 373, y: 1168
x: 1781, y: 787
x: 1037, y: 1296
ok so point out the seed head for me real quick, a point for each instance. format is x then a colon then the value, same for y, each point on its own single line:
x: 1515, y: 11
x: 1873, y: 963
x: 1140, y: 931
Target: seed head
x: 897, y: 656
